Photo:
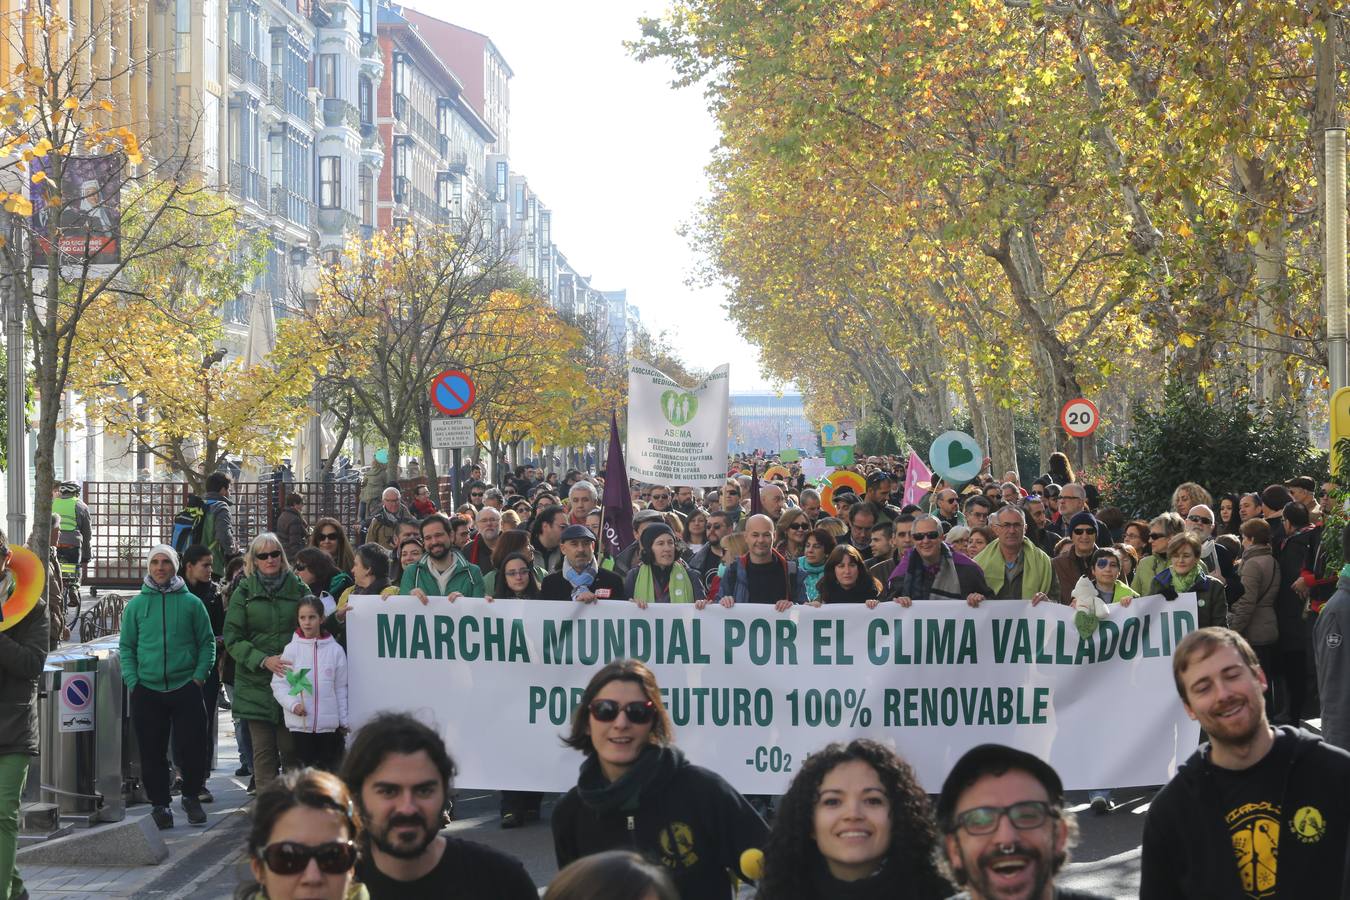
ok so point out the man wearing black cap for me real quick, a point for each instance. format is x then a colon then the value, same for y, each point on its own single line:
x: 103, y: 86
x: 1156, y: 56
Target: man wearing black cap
x: 580, y: 578
x: 1076, y: 560
x: 1006, y: 831
x: 1303, y: 490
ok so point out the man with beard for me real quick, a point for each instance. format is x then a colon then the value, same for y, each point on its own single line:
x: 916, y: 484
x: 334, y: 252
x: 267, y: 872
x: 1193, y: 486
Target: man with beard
x: 1256, y: 812
x: 684, y: 501
x: 441, y: 572
x: 579, y: 578
x: 489, y: 525
x: 707, y: 559
x: 399, y: 775
x: 1006, y: 831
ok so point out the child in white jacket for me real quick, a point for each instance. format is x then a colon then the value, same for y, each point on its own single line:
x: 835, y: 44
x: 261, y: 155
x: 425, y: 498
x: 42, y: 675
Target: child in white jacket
x: 313, y: 693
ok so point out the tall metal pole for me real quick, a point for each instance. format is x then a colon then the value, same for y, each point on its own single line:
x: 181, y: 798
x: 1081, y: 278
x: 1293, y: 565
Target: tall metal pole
x: 16, y: 439
x: 1334, y: 249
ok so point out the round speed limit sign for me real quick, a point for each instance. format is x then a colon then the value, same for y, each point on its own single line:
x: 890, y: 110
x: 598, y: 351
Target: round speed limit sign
x: 1079, y: 417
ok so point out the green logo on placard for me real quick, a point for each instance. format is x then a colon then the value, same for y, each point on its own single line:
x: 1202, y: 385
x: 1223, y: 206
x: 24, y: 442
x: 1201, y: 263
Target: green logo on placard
x: 958, y: 455
x: 679, y: 408
x: 838, y: 456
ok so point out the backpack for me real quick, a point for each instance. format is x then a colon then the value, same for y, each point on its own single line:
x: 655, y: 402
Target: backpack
x: 189, y: 526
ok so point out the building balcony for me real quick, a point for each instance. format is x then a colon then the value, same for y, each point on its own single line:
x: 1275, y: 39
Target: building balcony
x: 458, y: 161
x: 294, y: 208
x: 337, y: 221
x: 247, y: 67
x: 291, y: 99
x: 338, y: 112
x: 248, y: 184
x: 417, y: 124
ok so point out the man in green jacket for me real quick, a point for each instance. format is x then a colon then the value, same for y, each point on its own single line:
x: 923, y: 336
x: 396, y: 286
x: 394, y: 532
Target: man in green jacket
x: 442, y: 572
x: 168, y: 650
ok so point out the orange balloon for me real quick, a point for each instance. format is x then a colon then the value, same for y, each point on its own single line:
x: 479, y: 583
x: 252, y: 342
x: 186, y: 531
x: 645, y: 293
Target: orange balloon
x: 30, y: 578
x: 837, y: 479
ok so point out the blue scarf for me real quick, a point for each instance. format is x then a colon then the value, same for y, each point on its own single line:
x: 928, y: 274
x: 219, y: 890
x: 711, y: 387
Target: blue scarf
x: 581, y: 581
x: 811, y: 581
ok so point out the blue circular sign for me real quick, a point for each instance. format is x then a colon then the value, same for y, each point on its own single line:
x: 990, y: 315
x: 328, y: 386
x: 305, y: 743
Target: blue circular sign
x: 956, y: 456
x: 79, y: 693
x: 453, y: 392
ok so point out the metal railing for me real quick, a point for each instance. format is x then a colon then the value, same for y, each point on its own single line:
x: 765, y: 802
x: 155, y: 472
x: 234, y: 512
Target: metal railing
x: 127, y: 518
x: 247, y: 67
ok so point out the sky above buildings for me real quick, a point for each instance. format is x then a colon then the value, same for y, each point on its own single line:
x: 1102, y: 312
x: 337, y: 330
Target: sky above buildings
x: 617, y: 155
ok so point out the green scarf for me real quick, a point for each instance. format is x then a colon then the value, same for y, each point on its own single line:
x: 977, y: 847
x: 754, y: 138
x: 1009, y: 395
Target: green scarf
x: 680, y: 589
x: 1035, y: 568
x: 1183, y: 583
x: 812, y: 580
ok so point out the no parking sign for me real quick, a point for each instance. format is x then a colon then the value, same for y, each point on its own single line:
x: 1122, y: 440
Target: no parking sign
x: 77, y: 702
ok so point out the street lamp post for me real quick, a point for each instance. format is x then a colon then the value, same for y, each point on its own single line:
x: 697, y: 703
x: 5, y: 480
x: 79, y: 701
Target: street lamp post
x: 17, y: 438
x: 1333, y: 249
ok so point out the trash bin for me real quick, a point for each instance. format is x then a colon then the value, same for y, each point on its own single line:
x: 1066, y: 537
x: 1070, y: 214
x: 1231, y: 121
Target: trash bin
x: 112, y: 722
x: 69, y: 736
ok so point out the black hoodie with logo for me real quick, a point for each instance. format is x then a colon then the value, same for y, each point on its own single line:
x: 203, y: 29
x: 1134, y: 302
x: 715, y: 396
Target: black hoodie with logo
x: 1278, y: 830
x: 674, y: 813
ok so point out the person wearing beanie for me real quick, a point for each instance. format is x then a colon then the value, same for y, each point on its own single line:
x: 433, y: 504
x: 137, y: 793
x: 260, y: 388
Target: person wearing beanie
x: 1075, y: 561
x: 168, y: 650
x: 661, y: 576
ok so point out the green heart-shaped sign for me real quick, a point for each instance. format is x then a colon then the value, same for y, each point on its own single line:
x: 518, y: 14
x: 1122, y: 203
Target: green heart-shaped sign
x: 957, y: 455
x: 679, y: 407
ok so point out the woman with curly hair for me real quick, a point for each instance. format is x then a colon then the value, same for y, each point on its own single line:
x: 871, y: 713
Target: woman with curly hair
x: 853, y: 825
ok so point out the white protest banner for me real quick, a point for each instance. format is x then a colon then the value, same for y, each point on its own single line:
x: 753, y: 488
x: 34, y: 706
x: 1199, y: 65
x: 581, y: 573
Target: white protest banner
x: 677, y: 436
x: 752, y: 691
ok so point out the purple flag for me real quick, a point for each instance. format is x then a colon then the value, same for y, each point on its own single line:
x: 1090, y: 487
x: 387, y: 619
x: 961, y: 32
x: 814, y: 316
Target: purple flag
x: 756, y: 503
x: 618, y: 520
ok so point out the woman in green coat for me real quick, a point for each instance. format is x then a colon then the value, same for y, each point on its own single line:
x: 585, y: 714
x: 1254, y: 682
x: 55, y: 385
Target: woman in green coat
x: 258, y: 625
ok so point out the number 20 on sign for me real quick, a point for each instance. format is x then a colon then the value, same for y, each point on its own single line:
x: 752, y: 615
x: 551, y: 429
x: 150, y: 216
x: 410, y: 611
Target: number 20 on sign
x: 1079, y: 417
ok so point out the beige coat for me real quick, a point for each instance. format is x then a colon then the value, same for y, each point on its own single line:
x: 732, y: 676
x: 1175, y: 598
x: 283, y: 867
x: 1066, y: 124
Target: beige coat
x: 1253, y: 615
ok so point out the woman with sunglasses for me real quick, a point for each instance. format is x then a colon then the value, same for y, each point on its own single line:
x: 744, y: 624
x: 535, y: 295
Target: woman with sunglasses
x: 790, y: 534
x: 329, y: 536
x: 316, y: 569
x: 1160, y: 531
x: 853, y: 825
x: 636, y: 791
x: 258, y: 625
x: 303, y: 841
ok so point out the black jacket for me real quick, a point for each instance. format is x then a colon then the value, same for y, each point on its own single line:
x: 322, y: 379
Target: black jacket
x: 556, y: 587
x: 23, y: 653
x: 1188, y: 851
x: 685, y: 818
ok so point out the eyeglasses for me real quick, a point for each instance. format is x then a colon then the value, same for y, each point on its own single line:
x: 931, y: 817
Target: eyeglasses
x: 799, y: 526
x: 1091, y: 531
x: 639, y: 712
x: 329, y: 536
x: 1012, y: 525
x: 1063, y: 497
x: 1106, y: 563
x: 270, y: 554
x: 926, y: 535
x: 1154, y: 536
x: 1200, y: 520
x: 660, y: 496
x: 516, y: 573
x: 1024, y: 816
x: 292, y: 858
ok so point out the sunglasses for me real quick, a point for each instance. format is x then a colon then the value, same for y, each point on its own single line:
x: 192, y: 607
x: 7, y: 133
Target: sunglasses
x: 329, y: 536
x: 1200, y: 520
x: 660, y: 496
x: 297, y: 568
x: 799, y: 526
x: 926, y: 535
x: 733, y: 493
x: 1092, y: 531
x: 1154, y: 536
x: 270, y: 554
x: 639, y: 712
x: 1105, y: 563
x: 476, y: 494
x: 291, y: 858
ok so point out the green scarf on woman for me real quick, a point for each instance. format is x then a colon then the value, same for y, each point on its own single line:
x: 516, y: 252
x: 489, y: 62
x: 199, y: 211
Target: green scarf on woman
x: 679, y: 589
x: 812, y: 580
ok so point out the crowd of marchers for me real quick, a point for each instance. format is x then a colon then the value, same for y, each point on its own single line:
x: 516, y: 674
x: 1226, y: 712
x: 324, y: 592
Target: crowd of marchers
x: 261, y: 628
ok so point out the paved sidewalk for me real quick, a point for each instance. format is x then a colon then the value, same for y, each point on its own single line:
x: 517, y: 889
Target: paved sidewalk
x: 192, y: 850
